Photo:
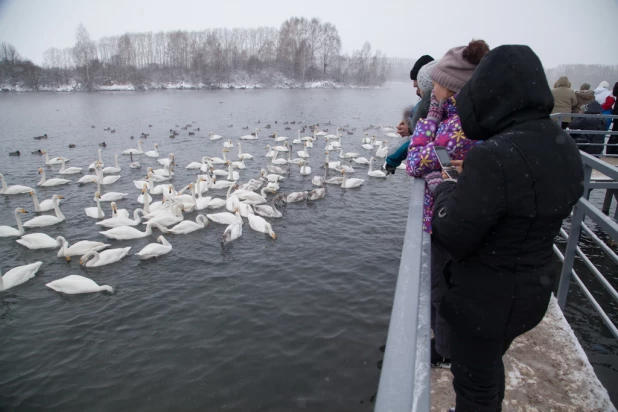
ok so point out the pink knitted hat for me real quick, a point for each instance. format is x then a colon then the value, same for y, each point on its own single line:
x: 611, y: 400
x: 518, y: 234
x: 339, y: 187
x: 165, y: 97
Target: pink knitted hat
x: 456, y: 67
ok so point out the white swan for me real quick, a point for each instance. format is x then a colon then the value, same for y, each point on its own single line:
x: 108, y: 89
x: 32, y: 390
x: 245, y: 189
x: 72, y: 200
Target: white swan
x: 319, y: 180
x: 35, y: 241
x: 361, y: 160
x: 304, y: 169
x: 89, y: 178
x: 135, y: 165
x: 152, y: 250
x: 221, y: 184
x: 228, y: 144
x: 95, y: 212
x: 13, y: 190
x: 139, y: 149
x: 283, y: 148
x: 166, y: 161
x: 55, y: 161
x: 391, y: 134
x: 69, y: 170
x: 79, y: 248
x: 110, y: 196
x: 382, y: 151
x: 103, y: 258
x: 259, y: 224
x: 366, y: 139
x: 303, y: 153
x: 345, y: 168
x: 44, y: 206
x: 331, y: 165
x: 224, y: 218
x: 231, y: 174
x: 233, y: 231
x: 216, y: 203
x: 123, y: 221
x: 18, y: 275
x: 376, y: 142
x: 94, y: 164
x: 8, y: 231
x: 76, y: 284
x: 51, y: 182
x: 276, y: 161
x: 188, y: 226
x: 374, y: 173
x: 348, y: 155
x: 268, y: 211
x: 250, y: 136
x: 239, y: 165
x: 350, y: 183
x: 128, y: 232
x: 214, y: 136
x: 169, y: 219
x: 242, y: 155
x: 154, y: 152
x: 105, y: 180
x: 269, y: 151
x: 252, y: 198
x: 112, y: 169
x: 118, y: 213
x: 47, y: 220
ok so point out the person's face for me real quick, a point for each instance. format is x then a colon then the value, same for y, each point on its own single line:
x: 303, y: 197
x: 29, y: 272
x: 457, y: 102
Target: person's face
x: 440, y: 92
x: 418, y: 92
x: 415, y: 84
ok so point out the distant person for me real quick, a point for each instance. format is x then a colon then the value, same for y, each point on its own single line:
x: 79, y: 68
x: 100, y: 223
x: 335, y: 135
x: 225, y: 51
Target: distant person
x: 614, y: 139
x: 605, y: 99
x: 584, y: 96
x: 442, y: 127
x: 410, y: 116
x: 565, y: 100
x: 499, y: 220
x: 587, y: 123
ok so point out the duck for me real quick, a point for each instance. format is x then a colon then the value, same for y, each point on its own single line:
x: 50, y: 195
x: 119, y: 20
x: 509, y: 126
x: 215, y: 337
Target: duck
x: 105, y: 257
x: 214, y: 136
x: 95, y: 212
x: 69, y: 170
x: 139, y: 149
x: 93, y: 165
x: 47, y: 220
x: 269, y: 211
x: 350, y: 183
x: 187, y: 226
x: 18, y: 275
x: 233, y: 231
x: 153, y: 250
x: 41, y: 137
x: 374, y: 173
x: 16, y: 153
x: 134, y: 165
x: 112, y: 169
x: 55, y: 161
x: 259, y: 224
x: 154, y: 152
x: 37, y: 152
x: 34, y: 241
x: 13, y: 190
x: 123, y: 221
x: 79, y: 248
x: 316, y: 194
x: 304, y: 169
x: 76, y: 284
x: 45, y: 205
x: 242, y: 155
x: 102, y: 144
x: 51, y: 182
x: 113, y: 131
x: 128, y: 232
x: 8, y: 231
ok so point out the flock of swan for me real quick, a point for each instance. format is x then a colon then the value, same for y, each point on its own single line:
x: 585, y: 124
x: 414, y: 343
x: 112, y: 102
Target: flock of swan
x: 242, y: 201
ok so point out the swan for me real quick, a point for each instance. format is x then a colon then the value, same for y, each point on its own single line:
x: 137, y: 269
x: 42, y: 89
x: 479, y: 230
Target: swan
x: 320, y: 133
x: 259, y: 224
x: 47, y: 220
x: 242, y: 155
x: 139, y: 149
x: 382, y: 151
x: 279, y: 138
x: 228, y: 144
x: 55, y: 161
x: 79, y: 248
x: 154, y: 152
x: 94, y: 164
x: 214, y: 136
x: 13, y: 190
x: 118, y: 213
x: 76, y: 284
x: 316, y: 194
x: 307, y: 138
x: 69, y: 170
x: 283, y: 148
x: 187, y: 226
x: 366, y: 139
x: 252, y: 198
x: 231, y: 174
x: 224, y: 218
x: 250, y: 136
x: 271, y: 177
x: 233, y: 231
x: 51, y: 182
x: 169, y: 219
x: 348, y: 155
x: 391, y: 134
x: 350, y: 183
x: 169, y: 160
x: 195, y: 165
x: 217, y: 172
x: 89, y: 178
x: 221, y: 184
x: 295, y: 161
x: 275, y: 169
x: 106, y: 257
x: 216, y: 203
x: 361, y: 160
x: 295, y: 197
x: 8, y: 231
x: 110, y: 169
x: 135, y: 165
x: 239, y: 165
x: 269, y: 152
x: 387, y: 129
x: 105, y: 180
x: 304, y: 169
x: 202, y: 203
x: 303, y: 153
x: 276, y: 161
x: 152, y: 250
x: 297, y: 140
x: 95, y: 212
x: 244, y: 209
x: 18, y: 275
x: 128, y: 232
x: 347, y: 169
x: 367, y: 146
x: 375, y: 142
x: 331, y: 165
x: 319, y: 180
x: 35, y: 241
x: 123, y: 221
x: 44, y: 206
x: 330, y: 136
x: 374, y: 173
x: 268, y: 211
x: 166, y: 173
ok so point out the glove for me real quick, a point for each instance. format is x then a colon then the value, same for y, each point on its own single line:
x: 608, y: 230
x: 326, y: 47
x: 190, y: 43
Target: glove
x: 433, y: 179
x: 436, y: 110
x: 386, y: 168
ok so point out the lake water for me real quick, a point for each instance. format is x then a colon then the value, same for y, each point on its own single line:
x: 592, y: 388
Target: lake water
x: 265, y: 325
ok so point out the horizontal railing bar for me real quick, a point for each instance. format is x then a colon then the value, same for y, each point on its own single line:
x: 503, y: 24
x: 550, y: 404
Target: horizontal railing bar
x: 608, y: 322
x: 584, y: 115
x: 600, y: 165
x: 603, y: 185
x: 584, y: 131
x: 600, y: 242
x: 607, y: 224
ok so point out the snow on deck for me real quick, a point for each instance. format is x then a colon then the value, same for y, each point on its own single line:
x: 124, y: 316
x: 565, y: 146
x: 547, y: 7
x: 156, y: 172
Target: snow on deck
x: 546, y: 369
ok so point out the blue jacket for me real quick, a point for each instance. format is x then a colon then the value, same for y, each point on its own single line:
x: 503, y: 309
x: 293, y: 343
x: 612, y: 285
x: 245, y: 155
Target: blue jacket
x: 401, y: 154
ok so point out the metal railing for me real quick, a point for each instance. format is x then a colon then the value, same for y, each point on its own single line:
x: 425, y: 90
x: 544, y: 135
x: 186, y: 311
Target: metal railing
x: 583, y: 208
x: 574, y: 132
x: 405, y: 379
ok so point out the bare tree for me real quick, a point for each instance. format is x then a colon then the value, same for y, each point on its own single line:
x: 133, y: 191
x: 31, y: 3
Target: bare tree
x: 84, y: 51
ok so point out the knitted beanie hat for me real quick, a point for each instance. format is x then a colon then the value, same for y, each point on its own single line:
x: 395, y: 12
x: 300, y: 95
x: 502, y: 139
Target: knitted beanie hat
x: 424, y: 78
x: 423, y: 60
x: 456, y: 67
x: 585, y: 86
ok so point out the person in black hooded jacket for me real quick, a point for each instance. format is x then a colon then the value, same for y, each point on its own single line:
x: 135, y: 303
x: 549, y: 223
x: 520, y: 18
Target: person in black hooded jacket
x: 499, y: 220
x: 587, y: 123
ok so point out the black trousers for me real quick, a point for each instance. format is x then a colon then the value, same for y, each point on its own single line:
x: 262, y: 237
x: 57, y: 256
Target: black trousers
x: 613, y: 140
x: 439, y: 257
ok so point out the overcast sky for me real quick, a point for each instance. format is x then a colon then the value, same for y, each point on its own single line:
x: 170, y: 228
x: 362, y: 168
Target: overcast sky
x: 560, y: 31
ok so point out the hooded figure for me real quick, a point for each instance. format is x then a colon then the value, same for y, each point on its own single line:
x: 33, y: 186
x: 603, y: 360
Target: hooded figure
x: 584, y: 95
x: 587, y: 123
x: 565, y: 100
x: 614, y: 138
x: 499, y: 220
x: 605, y: 99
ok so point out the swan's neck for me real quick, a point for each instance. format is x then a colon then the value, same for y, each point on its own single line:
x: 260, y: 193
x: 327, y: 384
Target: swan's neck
x: 37, y: 206
x: 136, y: 213
x: 19, y: 225
x: 327, y: 158
x: 42, y: 177
x: 64, y: 245
x: 117, y: 166
x: 100, y: 159
x: 263, y: 192
x: 99, y: 186
x: 239, y: 149
x: 3, y: 184
x: 57, y: 209
x: 95, y: 258
x: 230, y: 172
x: 164, y: 241
x: 139, y: 146
x: 62, y: 167
x: 345, y: 179
x: 224, y: 157
x: 370, y: 165
x: 99, y: 210
x: 229, y: 191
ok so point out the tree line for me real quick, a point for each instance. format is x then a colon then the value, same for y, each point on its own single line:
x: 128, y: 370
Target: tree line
x: 300, y: 51
x: 593, y: 74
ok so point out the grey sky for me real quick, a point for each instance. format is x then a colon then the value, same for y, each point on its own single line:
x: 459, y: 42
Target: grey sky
x: 560, y: 31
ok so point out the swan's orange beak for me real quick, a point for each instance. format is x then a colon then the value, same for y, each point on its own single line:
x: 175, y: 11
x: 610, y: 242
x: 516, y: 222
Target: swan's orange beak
x: 31, y: 193
x: 23, y: 211
x: 60, y: 197
x: 273, y: 236
x: 40, y: 170
x: 68, y: 259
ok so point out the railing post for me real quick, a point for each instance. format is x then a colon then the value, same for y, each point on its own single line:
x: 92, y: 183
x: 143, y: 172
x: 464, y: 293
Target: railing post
x: 572, y: 242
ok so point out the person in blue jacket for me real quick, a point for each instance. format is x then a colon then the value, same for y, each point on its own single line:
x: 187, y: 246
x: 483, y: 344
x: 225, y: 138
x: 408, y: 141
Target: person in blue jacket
x: 411, y: 116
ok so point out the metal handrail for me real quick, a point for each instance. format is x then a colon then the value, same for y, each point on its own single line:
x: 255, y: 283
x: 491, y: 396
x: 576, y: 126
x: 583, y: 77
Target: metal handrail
x: 405, y: 378
x: 583, y: 208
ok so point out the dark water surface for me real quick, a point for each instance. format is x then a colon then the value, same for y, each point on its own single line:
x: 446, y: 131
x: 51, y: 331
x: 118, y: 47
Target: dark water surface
x: 260, y: 325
